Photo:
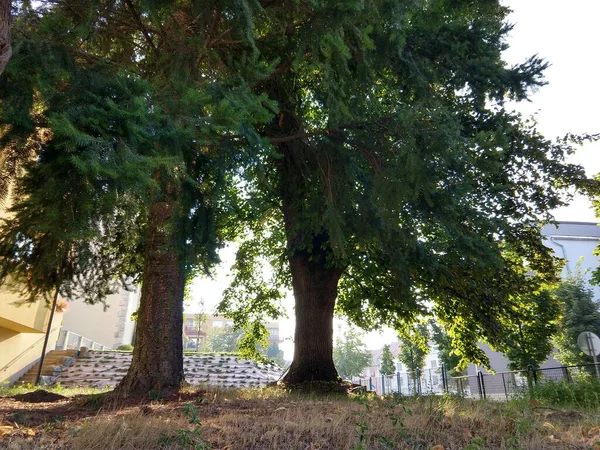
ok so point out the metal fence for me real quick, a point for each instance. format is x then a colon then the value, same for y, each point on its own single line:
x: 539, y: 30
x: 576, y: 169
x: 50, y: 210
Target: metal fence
x: 428, y: 381
x: 69, y: 340
x: 496, y: 386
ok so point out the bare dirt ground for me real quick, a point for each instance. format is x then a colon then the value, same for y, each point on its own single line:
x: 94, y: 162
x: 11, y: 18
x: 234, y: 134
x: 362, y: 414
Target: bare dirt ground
x: 276, y: 419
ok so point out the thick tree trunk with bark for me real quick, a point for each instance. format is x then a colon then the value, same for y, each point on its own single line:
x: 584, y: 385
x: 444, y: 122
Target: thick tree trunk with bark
x: 315, y: 292
x: 5, y: 44
x: 314, y: 280
x: 158, y: 352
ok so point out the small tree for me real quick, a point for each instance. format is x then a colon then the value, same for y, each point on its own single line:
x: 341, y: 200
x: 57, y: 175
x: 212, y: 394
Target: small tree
x: 414, y: 348
x: 387, y: 362
x: 579, y: 313
x: 223, y: 339
x: 528, y: 341
x: 350, y: 354
x: 446, y: 353
x: 274, y: 353
x: 199, y: 321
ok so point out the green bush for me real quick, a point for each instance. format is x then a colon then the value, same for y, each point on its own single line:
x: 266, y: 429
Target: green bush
x: 125, y: 347
x: 578, y: 394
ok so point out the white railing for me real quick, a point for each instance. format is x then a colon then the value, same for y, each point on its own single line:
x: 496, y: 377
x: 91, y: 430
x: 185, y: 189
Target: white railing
x: 70, y: 340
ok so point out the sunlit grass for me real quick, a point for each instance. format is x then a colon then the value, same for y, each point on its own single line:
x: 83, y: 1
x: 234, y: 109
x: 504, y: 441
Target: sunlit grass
x: 7, y: 391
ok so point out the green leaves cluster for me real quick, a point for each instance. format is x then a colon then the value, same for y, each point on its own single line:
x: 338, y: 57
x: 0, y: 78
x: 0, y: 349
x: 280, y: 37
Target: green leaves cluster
x: 350, y: 354
x: 528, y: 340
x: 371, y: 136
x: 579, y: 312
x: 455, y: 365
x: 386, y: 363
x: 414, y: 348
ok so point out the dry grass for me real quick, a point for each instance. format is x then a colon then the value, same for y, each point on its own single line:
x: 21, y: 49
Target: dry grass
x: 275, y: 419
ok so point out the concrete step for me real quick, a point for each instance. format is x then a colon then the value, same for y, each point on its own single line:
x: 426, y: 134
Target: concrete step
x: 69, y: 352
x: 52, y: 359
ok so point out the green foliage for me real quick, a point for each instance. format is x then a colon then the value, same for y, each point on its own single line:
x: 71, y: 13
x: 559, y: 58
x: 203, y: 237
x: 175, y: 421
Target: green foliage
x: 93, y: 132
x: 257, y: 288
x: 580, y: 313
x: 187, y: 439
x: 453, y: 362
x: 125, y: 347
x: 350, y: 354
x: 527, y: 341
x: 222, y: 340
x: 75, y: 222
x: 395, y: 161
x: 414, y: 348
x: 581, y: 394
x: 371, y: 138
x: 276, y: 355
x: 386, y: 364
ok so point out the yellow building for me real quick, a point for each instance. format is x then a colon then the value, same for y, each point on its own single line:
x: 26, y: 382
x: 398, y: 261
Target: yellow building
x: 23, y: 326
x: 22, y: 331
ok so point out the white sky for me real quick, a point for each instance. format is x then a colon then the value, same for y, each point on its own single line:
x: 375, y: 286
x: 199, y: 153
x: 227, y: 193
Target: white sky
x: 564, y: 33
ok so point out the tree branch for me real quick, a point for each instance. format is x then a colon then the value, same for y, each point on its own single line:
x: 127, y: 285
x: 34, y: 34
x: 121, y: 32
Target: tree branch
x: 143, y: 28
x: 307, y: 134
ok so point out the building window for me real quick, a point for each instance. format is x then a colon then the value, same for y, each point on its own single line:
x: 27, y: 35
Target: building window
x: 434, y: 364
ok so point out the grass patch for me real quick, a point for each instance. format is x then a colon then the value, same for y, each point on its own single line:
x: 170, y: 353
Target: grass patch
x: 581, y: 394
x: 9, y: 391
x: 274, y: 418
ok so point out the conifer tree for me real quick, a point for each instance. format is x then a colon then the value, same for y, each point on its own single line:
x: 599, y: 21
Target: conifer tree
x: 398, y: 175
x: 387, y: 366
x: 119, y: 158
x: 377, y: 164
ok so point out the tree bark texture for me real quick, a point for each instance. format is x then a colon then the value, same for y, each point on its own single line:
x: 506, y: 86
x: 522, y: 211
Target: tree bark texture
x: 315, y: 292
x: 314, y: 281
x: 158, y: 353
x: 5, y: 44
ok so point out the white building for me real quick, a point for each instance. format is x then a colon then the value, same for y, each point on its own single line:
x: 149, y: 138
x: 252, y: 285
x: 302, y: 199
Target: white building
x: 575, y: 242
x: 111, y: 326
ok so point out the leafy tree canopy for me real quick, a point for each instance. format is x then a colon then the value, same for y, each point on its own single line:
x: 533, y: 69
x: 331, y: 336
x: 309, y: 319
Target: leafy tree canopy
x: 398, y: 167
x: 367, y: 142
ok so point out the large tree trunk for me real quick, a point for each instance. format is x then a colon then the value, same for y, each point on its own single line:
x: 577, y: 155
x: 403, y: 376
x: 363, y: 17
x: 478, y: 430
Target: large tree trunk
x: 315, y: 292
x: 314, y: 280
x: 5, y: 45
x: 158, y: 353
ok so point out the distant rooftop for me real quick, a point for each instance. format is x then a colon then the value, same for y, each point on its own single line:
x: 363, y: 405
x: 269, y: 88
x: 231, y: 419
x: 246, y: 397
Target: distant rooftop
x: 573, y: 229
